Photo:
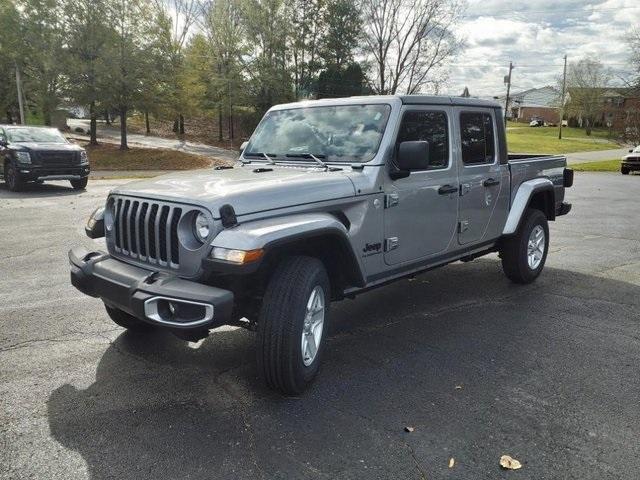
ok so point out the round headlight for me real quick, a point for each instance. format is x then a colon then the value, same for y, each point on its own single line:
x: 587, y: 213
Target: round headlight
x: 202, y: 227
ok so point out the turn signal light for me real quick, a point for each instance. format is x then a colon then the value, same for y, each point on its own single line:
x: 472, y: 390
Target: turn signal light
x: 237, y: 256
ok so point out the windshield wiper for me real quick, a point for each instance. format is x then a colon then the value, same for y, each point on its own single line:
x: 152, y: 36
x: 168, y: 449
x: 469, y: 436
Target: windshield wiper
x: 312, y: 156
x: 263, y: 155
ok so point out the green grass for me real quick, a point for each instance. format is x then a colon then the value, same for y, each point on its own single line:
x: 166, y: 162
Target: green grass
x: 545, y: 140
x: 109, y: 157
x: 601, y: 166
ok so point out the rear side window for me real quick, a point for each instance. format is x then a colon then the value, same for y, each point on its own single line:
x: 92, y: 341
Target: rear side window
x: 429, y: 126
x: 477, y: 138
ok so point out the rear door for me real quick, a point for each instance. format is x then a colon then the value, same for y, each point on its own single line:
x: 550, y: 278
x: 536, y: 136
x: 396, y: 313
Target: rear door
x: 479, y: 172
x: 421, y: 210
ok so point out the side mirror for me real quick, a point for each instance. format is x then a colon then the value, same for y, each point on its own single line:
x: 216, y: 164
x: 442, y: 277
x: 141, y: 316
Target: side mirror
x: 3, y: 143
x: 413, y: 155
x: 630, y: 150
x: 95, y: 225
x: 243, y: 146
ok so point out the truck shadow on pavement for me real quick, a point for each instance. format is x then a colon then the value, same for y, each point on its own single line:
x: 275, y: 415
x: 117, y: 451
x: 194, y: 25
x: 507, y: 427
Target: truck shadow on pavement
x: 38, y: 190
x: 479, y: 367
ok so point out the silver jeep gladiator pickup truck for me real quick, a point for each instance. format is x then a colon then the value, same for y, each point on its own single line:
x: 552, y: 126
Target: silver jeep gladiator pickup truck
x: 329, y: 198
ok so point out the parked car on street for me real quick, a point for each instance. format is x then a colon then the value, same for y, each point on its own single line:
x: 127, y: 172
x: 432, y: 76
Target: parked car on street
x: 631, y: 162
x: 38, y: 154
x: 536, y: 122
x: 329, y: 199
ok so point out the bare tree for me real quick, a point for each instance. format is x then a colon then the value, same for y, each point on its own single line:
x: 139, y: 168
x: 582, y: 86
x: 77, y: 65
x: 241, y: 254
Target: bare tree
x: 586, y: 82
x: 409, y: 41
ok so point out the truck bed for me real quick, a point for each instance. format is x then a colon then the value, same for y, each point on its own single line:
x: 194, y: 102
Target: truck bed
x: 525, y: 166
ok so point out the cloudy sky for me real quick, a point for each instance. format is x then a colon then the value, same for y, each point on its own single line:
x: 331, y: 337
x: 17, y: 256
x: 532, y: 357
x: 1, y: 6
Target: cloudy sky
x: 535, y: 34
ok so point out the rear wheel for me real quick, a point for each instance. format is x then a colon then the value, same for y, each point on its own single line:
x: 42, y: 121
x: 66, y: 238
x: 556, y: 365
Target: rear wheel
x: 79, y: 184
x: 524, y: 254
x: 624, y: 170
x: 293, y: 324
x: 12, y: 178
x: 127, y: 321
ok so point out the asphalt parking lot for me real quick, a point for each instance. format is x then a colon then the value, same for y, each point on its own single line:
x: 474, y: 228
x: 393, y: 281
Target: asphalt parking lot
x: 547, y: 373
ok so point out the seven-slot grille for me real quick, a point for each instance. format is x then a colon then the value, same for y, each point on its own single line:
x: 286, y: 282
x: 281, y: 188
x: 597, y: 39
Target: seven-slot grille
x: 147, y: 230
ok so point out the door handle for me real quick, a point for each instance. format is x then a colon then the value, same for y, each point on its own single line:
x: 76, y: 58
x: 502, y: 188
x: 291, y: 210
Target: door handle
x: 490, y: 182
x: 447, y: 189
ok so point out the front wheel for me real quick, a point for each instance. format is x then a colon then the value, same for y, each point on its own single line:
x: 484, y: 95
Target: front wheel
x: 12, y: 178
x: 293, y: 324
x: 80, y: 184
x: 624, y: 170
x: 524, y: 254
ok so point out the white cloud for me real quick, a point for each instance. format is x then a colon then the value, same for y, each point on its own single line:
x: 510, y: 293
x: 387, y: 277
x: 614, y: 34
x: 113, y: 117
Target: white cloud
x: 536, y: 35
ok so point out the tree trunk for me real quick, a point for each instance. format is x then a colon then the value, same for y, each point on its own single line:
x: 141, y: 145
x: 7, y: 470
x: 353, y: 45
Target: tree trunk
x: 176, y: 126
x: 219, y: 124
x: 146, y: 123
x: 9, y: 117
x: 231, y: 132
x: 588, y: 127
x: 123, y: 129
x: 93, y: 136
x: 46, y: 114
x: 107, y: 117
x: 181, y: 128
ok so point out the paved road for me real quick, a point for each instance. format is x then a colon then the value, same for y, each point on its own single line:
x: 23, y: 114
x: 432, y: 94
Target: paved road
x: 112, y: 135
x: 547, y: 373
x: 582, y: 157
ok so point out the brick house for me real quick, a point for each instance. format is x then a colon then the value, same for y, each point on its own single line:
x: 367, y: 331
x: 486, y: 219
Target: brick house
x: 619, y: 109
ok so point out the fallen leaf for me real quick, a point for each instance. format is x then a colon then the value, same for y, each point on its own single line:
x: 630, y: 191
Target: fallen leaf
x: 452, y: 462
x: 409, y: 429
x: 509, y: 463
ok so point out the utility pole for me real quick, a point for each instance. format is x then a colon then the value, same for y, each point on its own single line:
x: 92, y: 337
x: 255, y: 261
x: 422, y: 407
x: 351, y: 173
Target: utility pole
x: 19, y: 87
x: 507, y: 80
x: 564, y: 86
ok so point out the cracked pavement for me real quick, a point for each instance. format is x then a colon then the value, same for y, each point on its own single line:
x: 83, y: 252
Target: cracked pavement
x: 546, y: 373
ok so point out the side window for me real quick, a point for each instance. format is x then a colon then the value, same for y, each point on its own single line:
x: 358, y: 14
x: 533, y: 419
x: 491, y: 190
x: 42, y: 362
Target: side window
x: 429, y: 126
x: 477, y: 138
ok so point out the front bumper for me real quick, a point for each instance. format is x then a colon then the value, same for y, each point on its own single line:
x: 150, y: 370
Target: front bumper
x: 73, y: 172
x: 631, y: 165
x: 147, y: 294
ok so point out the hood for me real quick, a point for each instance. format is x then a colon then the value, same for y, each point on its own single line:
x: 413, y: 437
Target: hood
x: 48, y: 147
x: 249, y: 189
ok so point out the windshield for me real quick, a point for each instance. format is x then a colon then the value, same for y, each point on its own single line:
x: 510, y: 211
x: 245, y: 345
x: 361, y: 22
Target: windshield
x: 334, y: 133
x: 38, y: 135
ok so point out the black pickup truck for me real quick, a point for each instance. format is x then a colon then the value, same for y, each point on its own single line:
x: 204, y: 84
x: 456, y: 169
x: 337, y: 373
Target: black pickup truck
x: 36, y: 154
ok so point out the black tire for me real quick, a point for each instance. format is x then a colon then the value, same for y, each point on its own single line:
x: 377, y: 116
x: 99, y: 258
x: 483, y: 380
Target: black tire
x: 127, y: 321
x: 514, y: 249
x: 281, y: 322
x: 79, y: 184
x: 624, y: 171
x: 12, y: 178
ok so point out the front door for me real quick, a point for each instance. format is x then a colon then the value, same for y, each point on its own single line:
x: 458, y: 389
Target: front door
x: 421, y: 210
x: 479, y: 172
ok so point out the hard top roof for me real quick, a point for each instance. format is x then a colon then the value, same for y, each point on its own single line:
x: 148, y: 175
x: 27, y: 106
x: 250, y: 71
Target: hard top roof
x: 405, y: 99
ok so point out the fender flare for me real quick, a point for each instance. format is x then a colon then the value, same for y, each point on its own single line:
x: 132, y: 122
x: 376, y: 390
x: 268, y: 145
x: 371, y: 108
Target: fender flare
x: 273, y: 232
x: 526, y: 191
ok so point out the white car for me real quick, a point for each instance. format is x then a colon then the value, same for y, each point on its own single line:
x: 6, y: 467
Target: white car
x: 631, y: 161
